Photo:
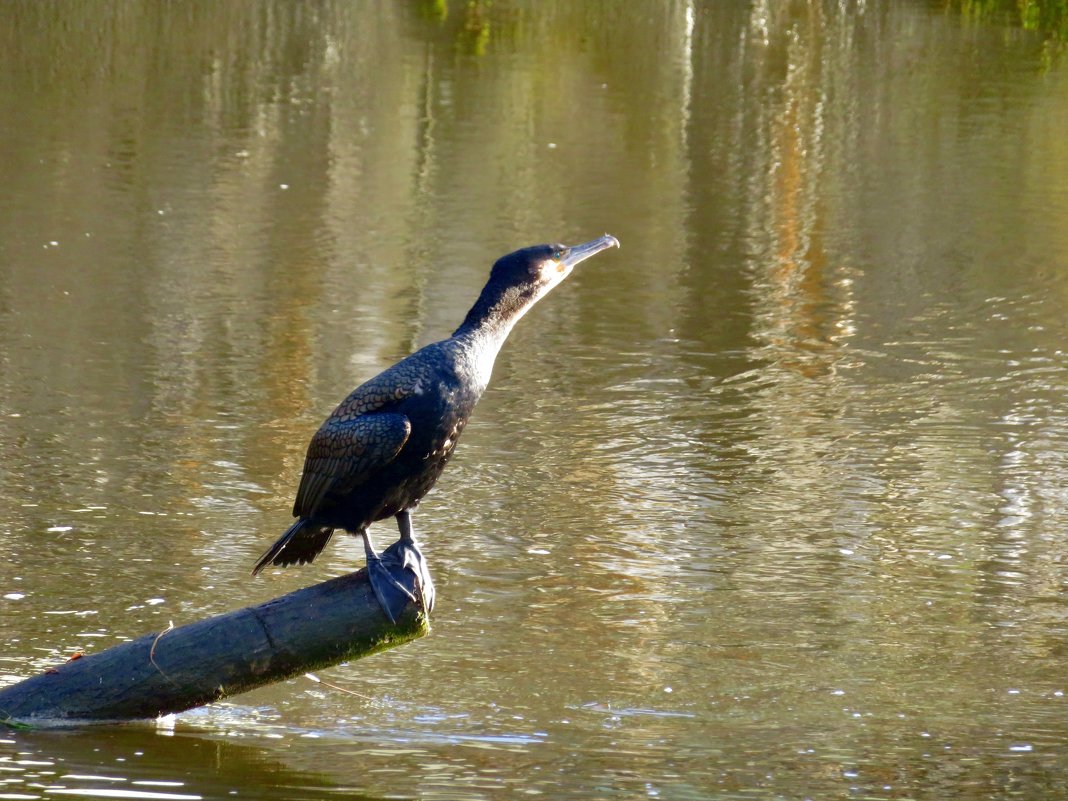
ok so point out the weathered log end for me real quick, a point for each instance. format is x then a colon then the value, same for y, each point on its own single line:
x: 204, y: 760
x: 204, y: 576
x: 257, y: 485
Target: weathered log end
x: 181, y: 668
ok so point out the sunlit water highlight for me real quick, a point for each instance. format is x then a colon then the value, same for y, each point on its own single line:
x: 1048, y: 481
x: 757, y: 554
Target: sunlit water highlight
x: 768, y: 503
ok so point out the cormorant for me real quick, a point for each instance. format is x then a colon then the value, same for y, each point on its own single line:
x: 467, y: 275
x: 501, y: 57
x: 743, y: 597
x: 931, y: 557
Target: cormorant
x: 381, y: 450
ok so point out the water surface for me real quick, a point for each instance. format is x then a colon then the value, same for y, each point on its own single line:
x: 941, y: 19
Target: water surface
x: 768, y: 503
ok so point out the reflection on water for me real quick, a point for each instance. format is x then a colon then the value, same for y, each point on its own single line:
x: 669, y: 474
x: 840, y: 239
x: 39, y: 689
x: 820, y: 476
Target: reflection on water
x: 767, y: 505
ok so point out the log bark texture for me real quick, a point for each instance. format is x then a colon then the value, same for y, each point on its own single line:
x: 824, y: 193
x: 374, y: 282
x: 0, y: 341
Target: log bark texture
x: 180, y: 668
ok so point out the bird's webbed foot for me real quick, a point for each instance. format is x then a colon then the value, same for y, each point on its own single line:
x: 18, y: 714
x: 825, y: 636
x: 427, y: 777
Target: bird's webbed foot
x: 399, y: 576
x: 393, y: 585
x: 406, y: 549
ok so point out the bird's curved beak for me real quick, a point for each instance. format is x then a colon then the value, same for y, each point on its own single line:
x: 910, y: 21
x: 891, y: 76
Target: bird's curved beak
x: 579, y: 253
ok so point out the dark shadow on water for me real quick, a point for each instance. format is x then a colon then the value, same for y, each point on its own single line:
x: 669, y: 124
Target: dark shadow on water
x: 140, y: 758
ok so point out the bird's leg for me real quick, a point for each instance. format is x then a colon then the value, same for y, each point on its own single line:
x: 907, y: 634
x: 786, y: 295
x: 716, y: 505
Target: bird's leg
x: 387, y: 581
x: 406, y: 549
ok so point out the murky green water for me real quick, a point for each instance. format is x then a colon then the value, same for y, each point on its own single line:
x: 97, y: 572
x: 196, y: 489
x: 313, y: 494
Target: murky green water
x: 769, y: 503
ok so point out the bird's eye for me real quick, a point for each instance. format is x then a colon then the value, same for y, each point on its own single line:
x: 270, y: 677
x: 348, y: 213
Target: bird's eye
x: 558, y: 255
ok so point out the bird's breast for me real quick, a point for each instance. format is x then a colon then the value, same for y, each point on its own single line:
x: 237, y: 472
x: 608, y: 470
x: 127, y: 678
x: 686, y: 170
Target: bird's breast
x: 444, y: 446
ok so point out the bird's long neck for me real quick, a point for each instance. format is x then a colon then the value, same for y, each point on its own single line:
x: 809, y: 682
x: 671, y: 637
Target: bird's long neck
x: 487, y: 325
x: 494, y: 314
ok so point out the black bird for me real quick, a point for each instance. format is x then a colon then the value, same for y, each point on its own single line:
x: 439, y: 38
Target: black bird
x: 381, y: 450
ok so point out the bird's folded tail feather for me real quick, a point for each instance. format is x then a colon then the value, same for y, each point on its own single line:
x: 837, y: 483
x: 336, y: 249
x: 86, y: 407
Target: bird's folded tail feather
x: 299, y: 545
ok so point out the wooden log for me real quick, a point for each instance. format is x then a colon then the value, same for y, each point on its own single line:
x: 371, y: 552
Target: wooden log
x: 180, y: 668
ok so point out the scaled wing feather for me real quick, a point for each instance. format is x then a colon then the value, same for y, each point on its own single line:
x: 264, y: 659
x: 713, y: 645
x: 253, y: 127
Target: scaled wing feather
x: 344, y: 452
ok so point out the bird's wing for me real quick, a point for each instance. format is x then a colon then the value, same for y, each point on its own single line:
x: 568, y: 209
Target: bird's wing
x: 345, y: 450
x: 384, y: 391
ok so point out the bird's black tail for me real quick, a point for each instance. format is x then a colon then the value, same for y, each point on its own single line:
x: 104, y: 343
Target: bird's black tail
x: 299, y: 545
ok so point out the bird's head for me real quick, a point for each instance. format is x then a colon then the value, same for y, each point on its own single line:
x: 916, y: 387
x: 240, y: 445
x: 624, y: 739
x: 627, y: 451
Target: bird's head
x: 539, y: 268
x: 520, y: 279
x: 531, y: 272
